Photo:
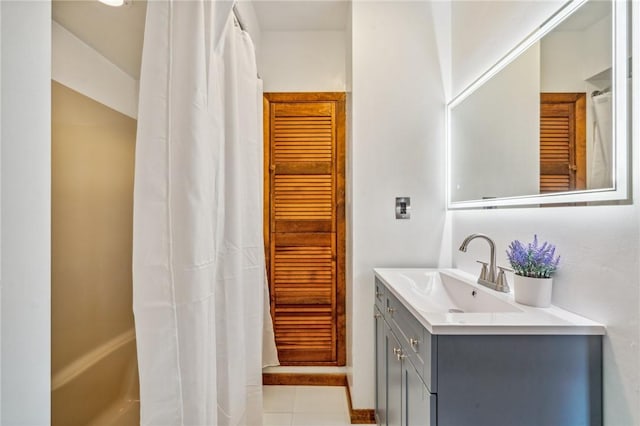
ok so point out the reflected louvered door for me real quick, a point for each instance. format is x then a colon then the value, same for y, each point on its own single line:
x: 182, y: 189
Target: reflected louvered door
x: 304, y: 198
x: 562, y: 134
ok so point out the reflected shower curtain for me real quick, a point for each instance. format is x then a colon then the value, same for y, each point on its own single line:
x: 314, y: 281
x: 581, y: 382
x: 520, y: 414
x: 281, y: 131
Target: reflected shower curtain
x: 600, y: 174
x: 199, y: 274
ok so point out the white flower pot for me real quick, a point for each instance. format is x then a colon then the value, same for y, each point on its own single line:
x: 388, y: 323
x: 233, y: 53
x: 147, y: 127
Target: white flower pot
x: 532, y: 291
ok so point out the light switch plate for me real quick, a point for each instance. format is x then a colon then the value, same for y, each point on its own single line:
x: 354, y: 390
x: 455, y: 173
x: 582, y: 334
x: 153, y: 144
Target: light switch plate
x: 403, y: 207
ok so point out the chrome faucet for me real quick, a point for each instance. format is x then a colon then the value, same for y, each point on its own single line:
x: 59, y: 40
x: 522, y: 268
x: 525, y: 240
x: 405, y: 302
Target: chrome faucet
x: 488, y: 277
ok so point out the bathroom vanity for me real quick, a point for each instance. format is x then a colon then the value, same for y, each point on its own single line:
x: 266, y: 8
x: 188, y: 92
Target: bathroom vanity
x: 452, y: 353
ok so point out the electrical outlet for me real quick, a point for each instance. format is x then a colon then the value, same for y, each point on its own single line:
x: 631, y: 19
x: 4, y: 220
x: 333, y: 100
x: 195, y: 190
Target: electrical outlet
x: 403, y: 207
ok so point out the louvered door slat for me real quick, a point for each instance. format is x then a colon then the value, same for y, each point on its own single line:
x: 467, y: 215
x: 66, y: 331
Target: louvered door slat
x: 562, y: 142
x: 303, y: 278
x: 304, y: 275
x: 301, y: 330
x: 303, y: 134
x: 303, y: 222
x: 555, y: 183
x: 299, y: 139
x: 555, y: 147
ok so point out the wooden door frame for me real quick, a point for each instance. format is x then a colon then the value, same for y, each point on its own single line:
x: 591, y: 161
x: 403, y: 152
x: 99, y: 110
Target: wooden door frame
x: 579, y: 100
x: 340, y: 99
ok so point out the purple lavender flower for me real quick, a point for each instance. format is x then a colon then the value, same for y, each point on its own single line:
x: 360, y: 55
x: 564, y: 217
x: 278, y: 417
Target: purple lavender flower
x: 533, y: 260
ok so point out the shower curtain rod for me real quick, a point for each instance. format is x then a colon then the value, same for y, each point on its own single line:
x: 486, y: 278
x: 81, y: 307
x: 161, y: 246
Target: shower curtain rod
x: 600, y: 92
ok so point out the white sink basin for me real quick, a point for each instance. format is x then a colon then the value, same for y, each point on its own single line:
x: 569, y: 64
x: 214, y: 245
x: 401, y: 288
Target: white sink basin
x: 450, y: 301
x: 438, y: 291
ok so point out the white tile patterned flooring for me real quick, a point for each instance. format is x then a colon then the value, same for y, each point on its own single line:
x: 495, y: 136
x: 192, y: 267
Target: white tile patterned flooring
x: 305, y: 406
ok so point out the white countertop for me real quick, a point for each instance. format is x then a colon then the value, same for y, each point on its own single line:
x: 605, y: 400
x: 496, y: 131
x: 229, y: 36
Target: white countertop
x: 525, y: 319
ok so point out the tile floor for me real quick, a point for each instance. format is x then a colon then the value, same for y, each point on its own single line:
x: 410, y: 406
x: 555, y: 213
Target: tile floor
x: 305, y: 406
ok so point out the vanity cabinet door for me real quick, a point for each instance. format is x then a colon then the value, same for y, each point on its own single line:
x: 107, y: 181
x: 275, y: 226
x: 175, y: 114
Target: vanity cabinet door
x: 419, y: 403
x: 381, y: 368
x: 394, y: 380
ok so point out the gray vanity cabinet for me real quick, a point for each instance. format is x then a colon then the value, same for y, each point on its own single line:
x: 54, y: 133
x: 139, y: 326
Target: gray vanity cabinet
x: 402, y: 398
x: 483, y: 379
x: 381, y: 368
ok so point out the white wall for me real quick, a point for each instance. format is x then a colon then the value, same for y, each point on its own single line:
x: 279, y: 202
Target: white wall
x: 1, y: 212
x: 349, y: 300
x: 599, y: 276
x: 441, y: 13
x: 496, y: 138
x: 597, y: 41
x: 81, y: 68
x: 569, y: 58
x: 303, y: 61
x: 26, y: 206
x: 562, y: 62
x: 396, y: 150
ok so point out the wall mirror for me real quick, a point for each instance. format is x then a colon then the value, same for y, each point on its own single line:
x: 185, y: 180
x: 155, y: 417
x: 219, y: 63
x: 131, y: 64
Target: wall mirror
x: 549, y: 123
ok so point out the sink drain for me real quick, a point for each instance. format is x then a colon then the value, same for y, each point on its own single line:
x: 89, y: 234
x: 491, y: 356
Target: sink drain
x: 456, y: 311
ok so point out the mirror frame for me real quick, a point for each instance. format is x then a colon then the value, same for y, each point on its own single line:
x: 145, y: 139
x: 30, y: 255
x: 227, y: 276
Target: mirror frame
x: 620, y: 117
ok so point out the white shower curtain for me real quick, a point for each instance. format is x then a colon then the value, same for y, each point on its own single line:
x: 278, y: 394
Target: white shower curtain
x: 198, y: 249
x: 601, y: 150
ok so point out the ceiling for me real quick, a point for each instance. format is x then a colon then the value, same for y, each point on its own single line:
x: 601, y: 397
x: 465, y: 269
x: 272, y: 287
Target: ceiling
x: 115, y: 32
x: 118, y: 32
x: 302, y: 15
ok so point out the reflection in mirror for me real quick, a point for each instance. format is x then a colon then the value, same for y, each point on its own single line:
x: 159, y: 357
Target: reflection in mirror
x: 543, y: 124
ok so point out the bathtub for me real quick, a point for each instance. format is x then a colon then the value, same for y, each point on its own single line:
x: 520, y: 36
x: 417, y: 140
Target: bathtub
x: 100, y: 388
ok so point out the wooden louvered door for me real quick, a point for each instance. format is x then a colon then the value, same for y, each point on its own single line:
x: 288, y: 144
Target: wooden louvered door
x: 304, y: 212
x: 562, y: 142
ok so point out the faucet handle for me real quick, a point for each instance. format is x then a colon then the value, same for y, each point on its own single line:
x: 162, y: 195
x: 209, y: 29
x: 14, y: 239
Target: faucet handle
x: 501, y: 281
x: 484, y: 272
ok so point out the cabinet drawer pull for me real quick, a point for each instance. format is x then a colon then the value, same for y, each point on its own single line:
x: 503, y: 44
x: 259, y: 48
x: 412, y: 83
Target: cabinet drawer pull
x: 396, y: 350
x: 377, y: 315
x: 399, y: 355
x: 379, y: 294
x: 414, y: 342
x: 390, y: 311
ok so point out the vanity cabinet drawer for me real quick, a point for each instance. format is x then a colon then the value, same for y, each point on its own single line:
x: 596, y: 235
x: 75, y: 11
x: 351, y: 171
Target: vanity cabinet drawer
x: 419, y: 345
